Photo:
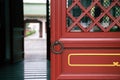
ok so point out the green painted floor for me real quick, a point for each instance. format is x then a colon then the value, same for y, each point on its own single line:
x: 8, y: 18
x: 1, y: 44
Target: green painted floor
x: 24, y: 71
x: 34, y: 67
x: 12, y: 72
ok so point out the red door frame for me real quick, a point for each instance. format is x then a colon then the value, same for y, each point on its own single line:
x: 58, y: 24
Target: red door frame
x: 34, y: 21
x: 93, y: 42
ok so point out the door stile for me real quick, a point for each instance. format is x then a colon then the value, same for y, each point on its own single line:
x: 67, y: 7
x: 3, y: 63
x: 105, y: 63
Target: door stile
x: 56, y: 27
x: 59, y: 34
x: 54, y: 31
x: 52, y: 21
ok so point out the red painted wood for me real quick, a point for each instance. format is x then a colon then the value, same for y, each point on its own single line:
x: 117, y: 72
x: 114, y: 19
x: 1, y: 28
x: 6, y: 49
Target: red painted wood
x: 53, y: 56
x: 83, y: 43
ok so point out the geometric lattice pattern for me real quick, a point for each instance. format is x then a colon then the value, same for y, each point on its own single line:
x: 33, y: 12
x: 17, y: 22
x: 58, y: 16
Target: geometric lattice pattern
x: 93, y: 16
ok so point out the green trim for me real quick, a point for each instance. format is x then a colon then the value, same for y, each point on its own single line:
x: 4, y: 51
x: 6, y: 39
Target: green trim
x: 34, y: 9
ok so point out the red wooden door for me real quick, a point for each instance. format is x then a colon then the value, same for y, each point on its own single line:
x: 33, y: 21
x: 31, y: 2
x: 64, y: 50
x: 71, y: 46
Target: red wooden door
x: 85, y: 40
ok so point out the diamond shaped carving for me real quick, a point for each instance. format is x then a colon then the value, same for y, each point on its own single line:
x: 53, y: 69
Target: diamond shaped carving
x: 68, y: 21
x: 115, y: 29
x: 76, y: 29
x: 115, y: 11
x: 105, y: 21
x: 96, y: 29
x: 76, y: 11
x: 86, y: 3
x: 85, y: 22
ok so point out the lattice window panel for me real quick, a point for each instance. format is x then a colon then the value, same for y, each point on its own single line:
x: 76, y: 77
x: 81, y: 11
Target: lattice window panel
x: 93, y: 16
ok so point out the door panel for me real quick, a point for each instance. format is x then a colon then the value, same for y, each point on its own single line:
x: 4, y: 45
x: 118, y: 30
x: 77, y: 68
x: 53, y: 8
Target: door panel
x: 90, y: 39
x: 81, y: 62
x: 18, y: 44
x: 17, y: 30
x: 82, y: 26
x: 2, y: 32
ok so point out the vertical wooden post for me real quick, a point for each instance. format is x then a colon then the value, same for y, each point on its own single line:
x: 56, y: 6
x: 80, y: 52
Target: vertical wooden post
x: 46, y: 27
x: 40, y: 31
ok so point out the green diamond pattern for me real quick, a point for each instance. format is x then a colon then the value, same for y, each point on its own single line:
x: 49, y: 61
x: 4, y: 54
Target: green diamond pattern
x: 117, y: 10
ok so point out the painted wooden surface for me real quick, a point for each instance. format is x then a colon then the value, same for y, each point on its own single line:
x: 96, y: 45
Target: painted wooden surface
x: 86, y: 55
